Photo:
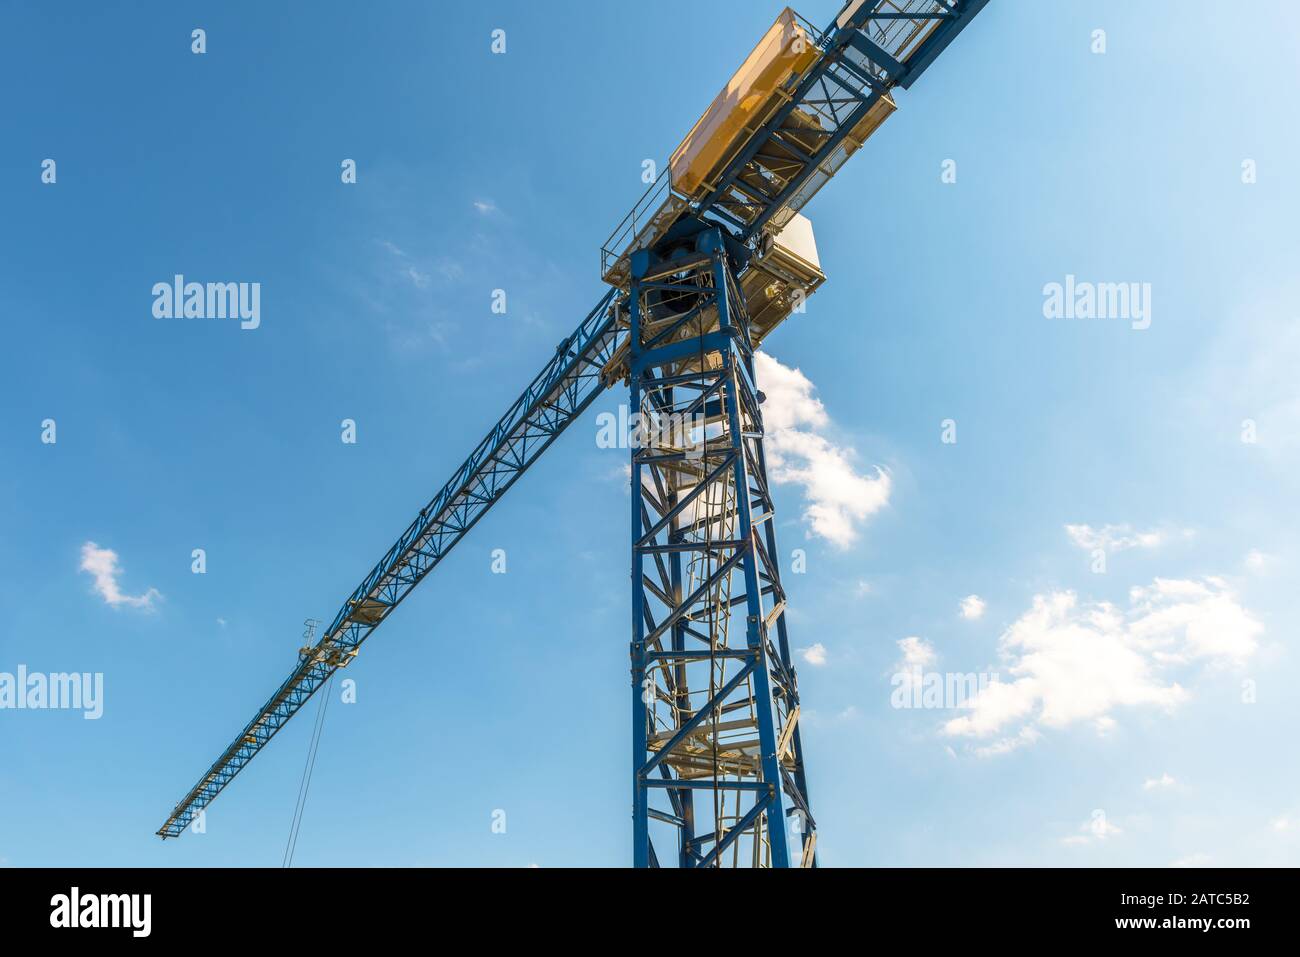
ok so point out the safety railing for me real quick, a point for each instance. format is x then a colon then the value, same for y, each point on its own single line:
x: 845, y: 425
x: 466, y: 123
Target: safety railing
x: 639, y: 224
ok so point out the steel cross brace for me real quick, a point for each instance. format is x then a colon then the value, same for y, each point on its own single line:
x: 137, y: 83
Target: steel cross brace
x: 714, y: 699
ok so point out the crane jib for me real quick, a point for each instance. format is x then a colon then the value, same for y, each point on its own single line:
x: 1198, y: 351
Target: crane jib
x: 559, y: 394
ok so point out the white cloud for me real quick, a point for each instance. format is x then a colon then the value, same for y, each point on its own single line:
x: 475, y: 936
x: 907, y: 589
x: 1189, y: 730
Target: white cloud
x: 917, y: 653
x: 838, y: 498
x: 972, y: 607
x: 1117, y: 538
x: 485, y: 207
x: 1096, y: 828
x: 101, y: 564
x: 1284, y: 823
x: 1256, y: 560
x: 862, y: 589
x: 816, y: 655
x: 1179, y: 621
x: 1193, y: 860
x: 1164, y: 781
x: 1074, y: 663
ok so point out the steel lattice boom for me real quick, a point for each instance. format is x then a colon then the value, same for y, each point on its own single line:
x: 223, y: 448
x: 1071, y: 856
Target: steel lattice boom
x: 821, y: 114
x: 560, y: 393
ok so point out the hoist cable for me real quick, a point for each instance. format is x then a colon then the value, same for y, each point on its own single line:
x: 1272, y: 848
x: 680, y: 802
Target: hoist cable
x: 304, y: 785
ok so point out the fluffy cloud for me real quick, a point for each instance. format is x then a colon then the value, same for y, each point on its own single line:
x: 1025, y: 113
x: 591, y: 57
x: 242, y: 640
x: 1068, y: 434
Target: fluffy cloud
x: 1117, y: 538
x: 838, y: 498
x: 816, y: 655
x: 917, y: 653
x: 1074, y: 662
x: 101, y: 564
x: 972, y: 607
x: 1096, y: 828
x: 1179, y: 621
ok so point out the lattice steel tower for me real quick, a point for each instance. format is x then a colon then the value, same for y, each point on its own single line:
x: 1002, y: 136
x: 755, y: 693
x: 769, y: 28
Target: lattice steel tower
x: 716, y: 752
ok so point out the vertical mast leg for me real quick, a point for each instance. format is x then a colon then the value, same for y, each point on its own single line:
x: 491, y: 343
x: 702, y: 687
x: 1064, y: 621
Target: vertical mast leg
x: 718, y: 776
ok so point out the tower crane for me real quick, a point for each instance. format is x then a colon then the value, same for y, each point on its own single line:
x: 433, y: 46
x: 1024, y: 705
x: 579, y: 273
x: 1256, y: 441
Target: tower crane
x: 706, y: 265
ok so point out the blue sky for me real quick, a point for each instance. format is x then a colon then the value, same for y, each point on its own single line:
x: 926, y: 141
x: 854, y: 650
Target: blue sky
x: 1122, y: 691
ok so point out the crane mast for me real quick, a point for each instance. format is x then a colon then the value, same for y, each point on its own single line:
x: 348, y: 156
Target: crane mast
x: 710, y: 261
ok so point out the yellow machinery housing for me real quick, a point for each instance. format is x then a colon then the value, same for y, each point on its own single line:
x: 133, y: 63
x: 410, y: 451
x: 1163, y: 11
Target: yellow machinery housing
x: 743, y: 105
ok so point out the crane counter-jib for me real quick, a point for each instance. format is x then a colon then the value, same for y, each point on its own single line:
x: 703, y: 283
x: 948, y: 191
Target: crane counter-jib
x: 802, y: 102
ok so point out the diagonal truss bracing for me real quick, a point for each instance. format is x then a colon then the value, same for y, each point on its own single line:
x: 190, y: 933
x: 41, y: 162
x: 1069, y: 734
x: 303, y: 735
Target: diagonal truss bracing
x: 718, y: 775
